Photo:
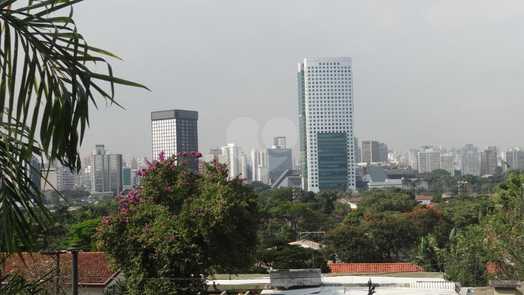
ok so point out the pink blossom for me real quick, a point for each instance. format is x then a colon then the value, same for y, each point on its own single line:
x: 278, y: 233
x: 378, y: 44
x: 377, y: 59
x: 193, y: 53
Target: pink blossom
x: 168, y: 189
x: 106, y: 220
x: 162, y: 156
x: 124, y: 211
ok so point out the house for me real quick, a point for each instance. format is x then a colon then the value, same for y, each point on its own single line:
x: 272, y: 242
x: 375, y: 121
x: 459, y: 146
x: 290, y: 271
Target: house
x: 424, y: 199
x: 94, y: 270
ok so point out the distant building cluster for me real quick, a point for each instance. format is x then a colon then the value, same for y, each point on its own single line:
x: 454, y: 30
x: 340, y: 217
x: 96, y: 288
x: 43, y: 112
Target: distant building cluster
x: 329, y: 156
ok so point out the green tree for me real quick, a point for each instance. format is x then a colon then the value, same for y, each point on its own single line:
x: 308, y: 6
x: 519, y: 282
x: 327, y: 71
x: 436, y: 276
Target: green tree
x: 48, y: 83
x: 82, y: 235
x: 466, y: 257
x: 504, y: 228
x: 179, y: 227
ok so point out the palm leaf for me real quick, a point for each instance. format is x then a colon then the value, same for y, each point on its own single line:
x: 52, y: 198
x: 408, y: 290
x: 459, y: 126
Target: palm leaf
x: 48, y: 79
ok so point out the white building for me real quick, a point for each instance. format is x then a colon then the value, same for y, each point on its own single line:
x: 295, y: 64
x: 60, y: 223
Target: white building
x: 231, y: 158
x: 325, y: 92
x: 428, y: 159
x: 470, y: 161
x: 448, y: 163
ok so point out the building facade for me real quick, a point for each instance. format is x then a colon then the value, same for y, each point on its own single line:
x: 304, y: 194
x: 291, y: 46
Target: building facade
x: 470, y: 162
x: 428, y: 159
x: 514, y: 159
x: 278, y: 161
x: 174, y: 132
x: 325, y: 98
x: 374, y: 152
x: 488, y: 161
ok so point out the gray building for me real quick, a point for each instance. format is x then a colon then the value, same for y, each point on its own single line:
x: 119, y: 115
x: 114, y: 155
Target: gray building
x: 173, y: 132
x: 428, y: 159
x: 488, y: 161
x: 114, y: 173
x: 325, y: 107
x: 106, y: 173
x: 278, y: 161
x: 65, y: 179
x: 470, y: 161
x: 374, y: 152
x: 514, y: 159
x: 98, y: 171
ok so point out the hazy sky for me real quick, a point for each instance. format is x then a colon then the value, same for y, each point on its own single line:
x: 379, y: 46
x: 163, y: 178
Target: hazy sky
x: 444, y: 72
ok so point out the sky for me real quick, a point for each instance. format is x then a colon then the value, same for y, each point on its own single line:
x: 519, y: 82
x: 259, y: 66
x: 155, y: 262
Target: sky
x: 441, y: 72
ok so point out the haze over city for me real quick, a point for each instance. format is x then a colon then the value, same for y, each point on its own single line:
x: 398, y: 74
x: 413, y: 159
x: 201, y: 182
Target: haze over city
x: 425, y: 72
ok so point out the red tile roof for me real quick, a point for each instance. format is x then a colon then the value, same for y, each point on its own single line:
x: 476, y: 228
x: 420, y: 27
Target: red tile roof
x: 93, y: 267
x: 424, y: 198
x: 374, y: 267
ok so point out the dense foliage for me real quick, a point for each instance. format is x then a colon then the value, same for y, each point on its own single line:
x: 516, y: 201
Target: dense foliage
x: 179, y: 227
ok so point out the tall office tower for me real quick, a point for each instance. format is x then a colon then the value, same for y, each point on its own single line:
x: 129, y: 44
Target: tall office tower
x: 114, y: 173
x: 428, y: 159
x: 413, y: 158
x: 278, y: 161
x: 231, y: 157
x: 358, y: 154
x: 514, y: 159
x: 127, y: 181
x: 447, y: 162
x: 326, y: 124
x: 470, y: 161
x: 262, y: 169
x: 488, y: 161
x: 173, y: 132
x: 244, y: 167
x: 279, y: 142
x: 369, y: 148
x: 35, y: 173
x: 65, y: 179
x: 255, y: 161
x: 98, y: 174
x: 383, y: 152
x: 374, y: 151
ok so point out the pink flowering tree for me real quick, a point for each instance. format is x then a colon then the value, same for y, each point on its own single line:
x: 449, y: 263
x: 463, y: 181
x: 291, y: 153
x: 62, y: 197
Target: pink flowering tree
x: 179, y: 227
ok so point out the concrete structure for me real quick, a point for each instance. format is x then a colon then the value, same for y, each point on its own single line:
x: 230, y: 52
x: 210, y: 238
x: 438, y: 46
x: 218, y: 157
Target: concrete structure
x: 448, y: 163
x: 98, y: 174
x: 488, y: 161
x: 428, y: 159
x: 354, y: 285
x: 470, y: 161
x: 235, y: 160
x: 374, y: 152
x: 173, y: 132
x: 325, y: 95
x: 295, y: 278
x: 255, y: 162
x: 514, y: 159
x: 114, y: 173
x: 65, y: 179
x: 106, y: 174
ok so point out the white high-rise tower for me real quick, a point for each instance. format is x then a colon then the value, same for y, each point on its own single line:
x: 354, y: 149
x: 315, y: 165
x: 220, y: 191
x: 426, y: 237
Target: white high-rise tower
x: 325, y: 92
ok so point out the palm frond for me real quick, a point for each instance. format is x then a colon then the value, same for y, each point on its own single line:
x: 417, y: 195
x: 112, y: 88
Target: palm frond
x: 49, y: 76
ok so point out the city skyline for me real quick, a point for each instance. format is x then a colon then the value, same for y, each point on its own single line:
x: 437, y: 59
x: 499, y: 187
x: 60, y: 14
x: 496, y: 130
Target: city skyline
x: 409, y: 94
